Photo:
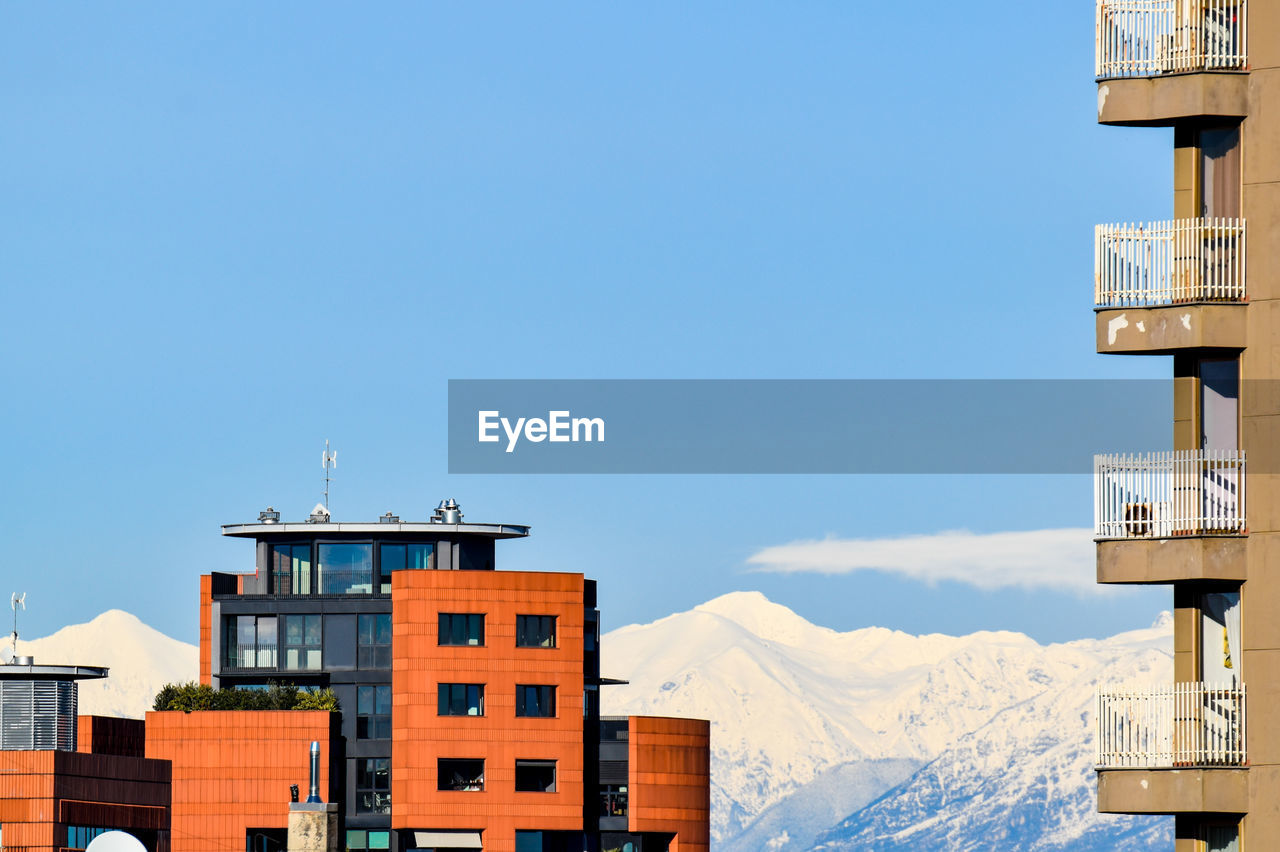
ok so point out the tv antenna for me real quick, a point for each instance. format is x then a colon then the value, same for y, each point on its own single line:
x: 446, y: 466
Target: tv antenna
x: 18, y: 600
x: 328, y: 460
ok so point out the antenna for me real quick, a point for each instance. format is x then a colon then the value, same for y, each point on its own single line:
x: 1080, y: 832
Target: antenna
x: 328, y: 460
x: 18, y: 600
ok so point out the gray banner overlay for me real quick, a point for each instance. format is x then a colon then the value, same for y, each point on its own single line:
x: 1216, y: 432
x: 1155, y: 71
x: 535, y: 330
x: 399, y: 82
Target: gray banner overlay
x: 803, y: 426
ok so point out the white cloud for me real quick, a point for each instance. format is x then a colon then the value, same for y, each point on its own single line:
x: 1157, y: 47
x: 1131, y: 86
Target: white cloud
x: 1061, y: 559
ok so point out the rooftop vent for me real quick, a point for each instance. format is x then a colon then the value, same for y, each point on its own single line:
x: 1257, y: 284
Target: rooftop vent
x: 270, y: 516
x: 389, y: 518
x: 447, y: 513
x: 319, y: 515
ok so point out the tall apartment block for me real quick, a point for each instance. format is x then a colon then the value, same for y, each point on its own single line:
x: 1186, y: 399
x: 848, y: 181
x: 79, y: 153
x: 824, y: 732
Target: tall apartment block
x: 470, y: 711
x: 1201, y: 515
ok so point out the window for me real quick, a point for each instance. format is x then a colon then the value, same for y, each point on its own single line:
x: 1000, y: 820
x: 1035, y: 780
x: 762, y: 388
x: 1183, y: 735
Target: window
x: 613, y: 800
x: 373, y: 785
x: 535, y: 776
x: 367, y: 841
x: 291, y: 569
x: 535, y: 700
x: 399, y: 557
x: 373, y: 641
x: 373, y: 712
x: 78, y: 836
x: 344, y: 568
x: 535, y: 631
x: 461, y: 628
x: 461, y: 699
x: 302, y: 642
x: 460, y: 774
x: 249, y: 641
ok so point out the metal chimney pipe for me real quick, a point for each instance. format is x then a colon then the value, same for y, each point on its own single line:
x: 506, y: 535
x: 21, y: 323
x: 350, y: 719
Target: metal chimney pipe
x: 314, y: 795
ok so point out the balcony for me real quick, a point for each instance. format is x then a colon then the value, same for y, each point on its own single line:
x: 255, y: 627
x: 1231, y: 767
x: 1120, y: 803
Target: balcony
x: 1178, y: 748
x: 1169, y: 263
x: 1169, y: 494
x: 1165, y: 286
x: 1172, y: 726
x: 1146, y: 38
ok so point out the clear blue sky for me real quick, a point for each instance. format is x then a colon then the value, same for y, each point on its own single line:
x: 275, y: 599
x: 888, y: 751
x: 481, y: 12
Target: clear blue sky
x: 230, y: 232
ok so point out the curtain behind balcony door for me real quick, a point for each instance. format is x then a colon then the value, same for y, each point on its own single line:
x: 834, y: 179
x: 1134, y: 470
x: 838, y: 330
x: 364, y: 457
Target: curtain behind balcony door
x: 1220, y: 172
x: 1220, y: 654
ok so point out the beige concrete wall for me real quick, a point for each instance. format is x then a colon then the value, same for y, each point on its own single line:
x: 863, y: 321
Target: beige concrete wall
x: 1147, y: 331
x: 1163, y: 101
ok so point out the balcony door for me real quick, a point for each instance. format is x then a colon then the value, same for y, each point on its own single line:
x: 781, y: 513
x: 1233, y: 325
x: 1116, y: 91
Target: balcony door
x: 1220, y: 673
x: 1220, y: 439
x: 1220, y: 171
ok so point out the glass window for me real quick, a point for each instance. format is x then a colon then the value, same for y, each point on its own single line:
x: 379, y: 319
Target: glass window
x: 373, y: 640
x: 535, y: 776
x: 535, y: 631
x: 535, y: 700
x: 344, y: 568
x: 373, y: 785
x: 398, y: 557
x: 460, y: 774
x: 461, y: 628
x: 613, y: 800
x: 291, y: 569
x: 367, y: 841
x: 461, y: 699
x: 373, y: 712
x: 249, y: 641
x: 303, y: 642
x: 528, y: 841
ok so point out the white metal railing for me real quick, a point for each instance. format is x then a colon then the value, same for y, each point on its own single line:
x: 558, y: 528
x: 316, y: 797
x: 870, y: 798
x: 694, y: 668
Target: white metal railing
x: 1161, y: 495
x: 1163, y: 263
x: 1141, y: 38
x: 1180, y: 724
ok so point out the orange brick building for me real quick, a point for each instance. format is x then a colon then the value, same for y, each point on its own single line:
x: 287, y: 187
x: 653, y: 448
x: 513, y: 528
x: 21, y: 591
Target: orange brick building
x: 469, y: 701
x: 65, y: 779
x: 232, y: 771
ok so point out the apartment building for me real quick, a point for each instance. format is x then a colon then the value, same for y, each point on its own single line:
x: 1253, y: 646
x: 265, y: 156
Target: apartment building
x: 470, y: 711
x: 1201, y: 515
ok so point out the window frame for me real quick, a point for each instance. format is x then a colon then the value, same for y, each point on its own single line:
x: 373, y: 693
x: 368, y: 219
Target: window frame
x: 304, y: 647
x: 369, y: 766
x: 522, y: 634
x: 368, y: 655
x: 233, y: 620
x: 441, y: 704
x: 373, y: 719
x: 522, y: 704
x: 440, y: 629
x: 467, y: 788
x: 536, y: 763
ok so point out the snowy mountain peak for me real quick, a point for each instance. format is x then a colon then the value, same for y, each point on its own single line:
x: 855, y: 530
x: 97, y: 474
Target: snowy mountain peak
x: 768, y: 620
x: 141, y: 659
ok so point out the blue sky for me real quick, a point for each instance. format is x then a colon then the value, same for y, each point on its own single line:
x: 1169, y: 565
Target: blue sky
x: 229, y: 233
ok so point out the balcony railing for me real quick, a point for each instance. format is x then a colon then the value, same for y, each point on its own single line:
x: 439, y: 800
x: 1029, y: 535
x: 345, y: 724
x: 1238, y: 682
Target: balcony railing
x: 1143, y: 38
x: 1169, y: 263
x: 1181, y: 724
x: 1162, y: 495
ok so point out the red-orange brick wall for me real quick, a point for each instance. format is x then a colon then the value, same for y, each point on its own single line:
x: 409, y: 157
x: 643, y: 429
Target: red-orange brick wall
x: 42, y: 792
x: 206, y: 629
x: 111, y: 735
x: 669, y: 787
x: 420, y: 736
x: 232, y: 769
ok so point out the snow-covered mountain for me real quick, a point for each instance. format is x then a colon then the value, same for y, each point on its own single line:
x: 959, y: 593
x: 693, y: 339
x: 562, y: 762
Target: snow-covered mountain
x: 141, y: 660
x: 876, y: 739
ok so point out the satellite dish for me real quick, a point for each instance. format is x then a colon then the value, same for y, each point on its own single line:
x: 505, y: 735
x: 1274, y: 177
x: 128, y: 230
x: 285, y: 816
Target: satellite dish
x: 115, y: 841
